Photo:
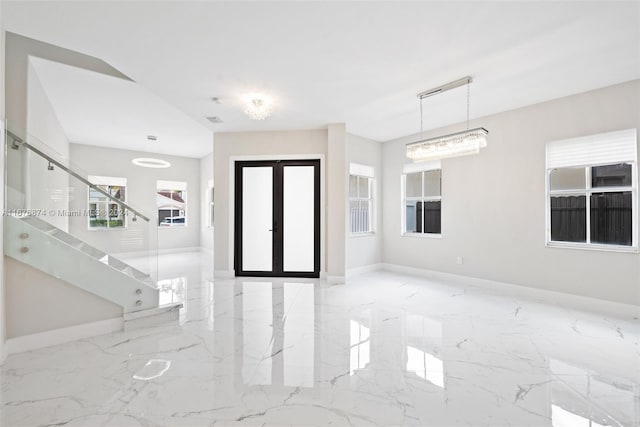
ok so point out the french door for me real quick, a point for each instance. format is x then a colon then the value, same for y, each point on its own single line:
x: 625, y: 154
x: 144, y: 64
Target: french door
x: 277, y: 226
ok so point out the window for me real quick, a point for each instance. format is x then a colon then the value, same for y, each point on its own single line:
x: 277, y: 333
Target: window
x: 361, y: 198
x: 422, y: 200
x: 210, y: 198
x: 592, y: 191
x: 360, y: 203
x: 104, y: 212
x: 361, y: 190
x: 171, y: 201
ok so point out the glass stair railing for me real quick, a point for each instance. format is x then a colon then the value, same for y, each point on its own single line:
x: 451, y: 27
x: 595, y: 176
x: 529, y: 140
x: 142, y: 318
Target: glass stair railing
x: 53, y: 222
x: 59, y: 255
x: 84, y: 247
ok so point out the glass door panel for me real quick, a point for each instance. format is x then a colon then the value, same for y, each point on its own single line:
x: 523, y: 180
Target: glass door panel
x: 257, y: 218
x: 298, y: 218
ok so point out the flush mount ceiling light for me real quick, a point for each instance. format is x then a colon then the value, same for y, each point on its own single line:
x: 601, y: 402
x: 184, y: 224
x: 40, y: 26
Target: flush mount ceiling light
x: 462, y: 143
x: 148, y: 162
x: 258, y: 107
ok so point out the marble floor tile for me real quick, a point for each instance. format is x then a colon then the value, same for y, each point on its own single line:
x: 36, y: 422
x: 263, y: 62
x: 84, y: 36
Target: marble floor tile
x: 385, y: 349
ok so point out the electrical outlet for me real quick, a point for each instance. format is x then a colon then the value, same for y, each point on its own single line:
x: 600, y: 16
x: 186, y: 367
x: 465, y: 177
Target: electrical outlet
x: 459, y: 260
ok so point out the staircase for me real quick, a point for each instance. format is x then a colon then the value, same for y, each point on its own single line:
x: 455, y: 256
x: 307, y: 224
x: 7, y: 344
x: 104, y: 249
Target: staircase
x: 39, y: 244
x: 37, y: 181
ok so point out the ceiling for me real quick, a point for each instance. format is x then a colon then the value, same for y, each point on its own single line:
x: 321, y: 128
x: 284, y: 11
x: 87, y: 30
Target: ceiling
x: 361, y: 63
x: 97, y: 109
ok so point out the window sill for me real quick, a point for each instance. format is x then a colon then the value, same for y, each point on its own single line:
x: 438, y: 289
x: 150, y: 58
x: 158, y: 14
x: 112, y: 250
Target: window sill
x: 106, y: 229
x: 593, y: 247
x: 171, y: 228
x: 423, y: 235
x: 367, y: 234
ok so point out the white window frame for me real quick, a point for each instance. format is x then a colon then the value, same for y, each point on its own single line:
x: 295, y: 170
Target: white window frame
x: 174, y: 186
x: 363, y: 172
x: 209, y: 197
x: 587, y: 191
x: 108, y: 181
x: 419, y: 168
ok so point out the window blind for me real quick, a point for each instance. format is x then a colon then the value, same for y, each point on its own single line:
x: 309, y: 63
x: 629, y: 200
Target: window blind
x: 361, y: 170
x: 422, y: 166
x: 604, y: 148
x: 108, y: 180
x: 172, y: 185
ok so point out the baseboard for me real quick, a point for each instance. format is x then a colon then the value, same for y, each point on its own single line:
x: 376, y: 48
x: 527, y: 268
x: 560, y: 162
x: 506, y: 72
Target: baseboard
x: 224, y: 274
x: 353, y: 272
x: 3, y: 353
x: 594, y: 305
x: 168, y: 251
x: 164, y: 315
x: 63, y: 335
x: 335, y: 280
x: 207, y: 251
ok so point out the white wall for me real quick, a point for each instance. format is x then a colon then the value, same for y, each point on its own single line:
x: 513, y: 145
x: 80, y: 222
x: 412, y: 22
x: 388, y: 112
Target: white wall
x: 206, y: 176
x: 337, y: 206
x: 141, y: 195
x: 44, y: 189
x: 366, y: 250
x: 30, y: 184
x: 266, y: 144
x: 38, y: 302
x: 493, y: 208
x: 18, y: 51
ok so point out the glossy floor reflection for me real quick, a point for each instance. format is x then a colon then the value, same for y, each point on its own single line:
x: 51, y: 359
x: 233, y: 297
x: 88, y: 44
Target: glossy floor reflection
x: 385, y: 349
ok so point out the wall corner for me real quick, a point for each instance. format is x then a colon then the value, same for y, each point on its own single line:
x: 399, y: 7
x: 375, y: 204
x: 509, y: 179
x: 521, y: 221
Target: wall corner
x: 336, y: 199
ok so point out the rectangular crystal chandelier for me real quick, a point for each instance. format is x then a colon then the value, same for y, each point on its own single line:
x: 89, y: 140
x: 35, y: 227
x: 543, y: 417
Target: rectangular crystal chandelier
x: 462, y: 143
x: 451, y: 145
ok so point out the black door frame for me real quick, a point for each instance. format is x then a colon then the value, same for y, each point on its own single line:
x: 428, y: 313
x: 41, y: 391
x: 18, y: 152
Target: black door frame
x: 277, y: 226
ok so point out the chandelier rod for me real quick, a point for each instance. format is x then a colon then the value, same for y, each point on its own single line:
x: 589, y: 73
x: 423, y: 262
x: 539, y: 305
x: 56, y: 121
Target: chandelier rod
x: 445, y: 87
